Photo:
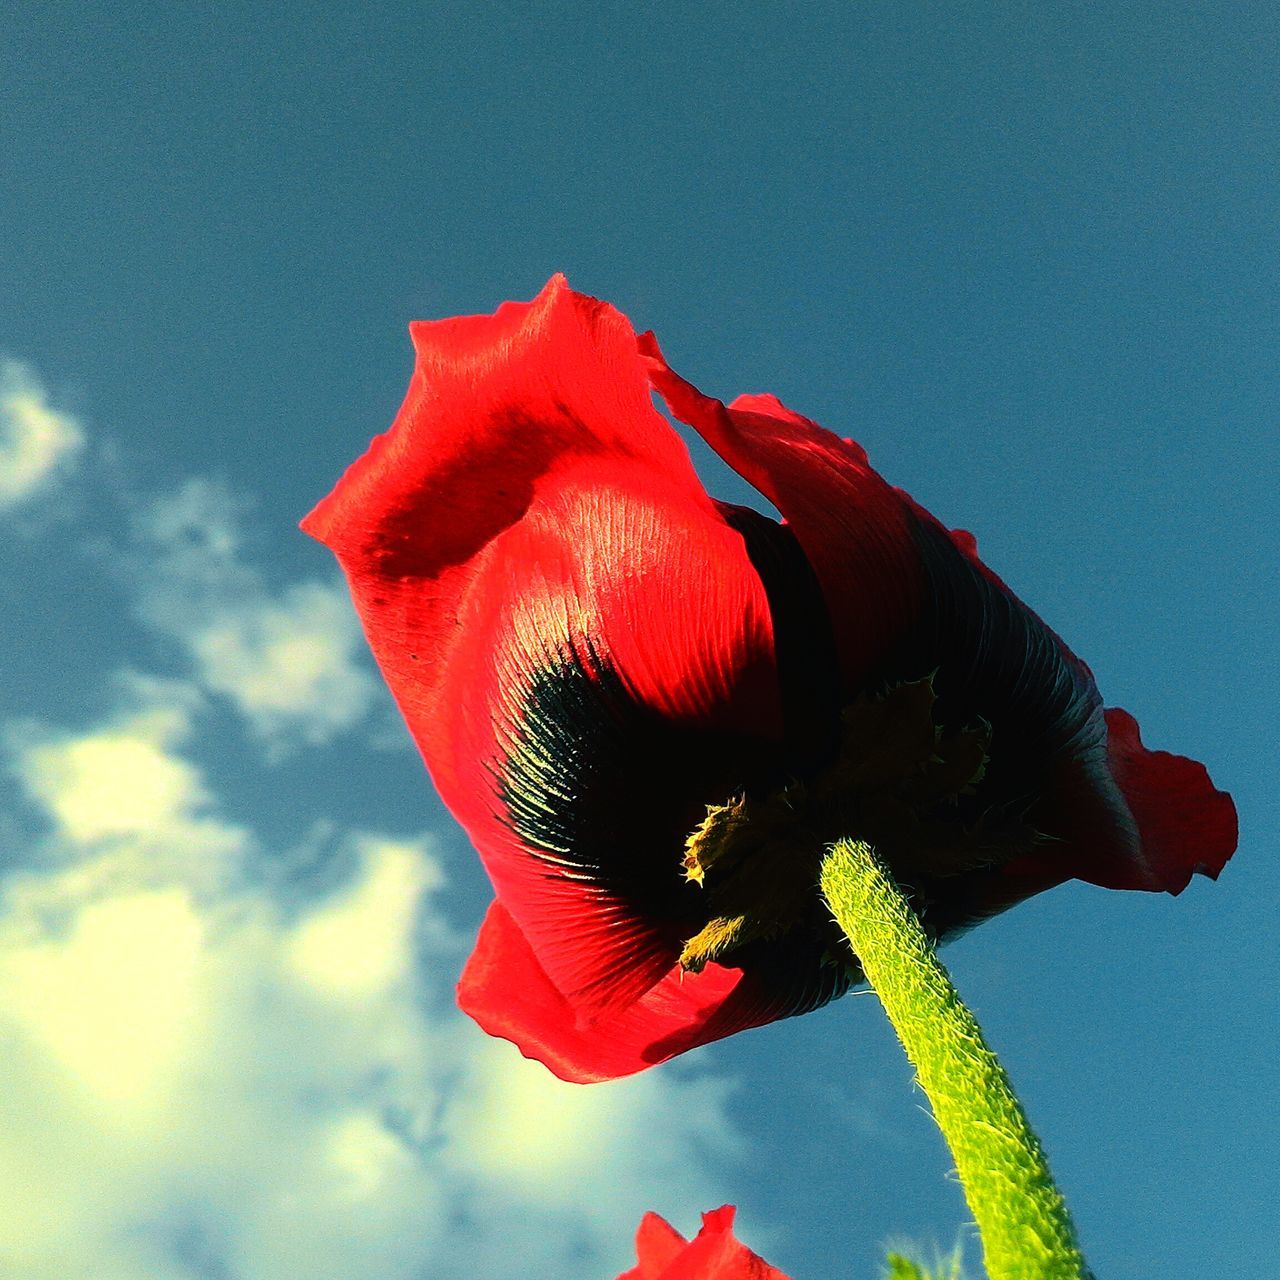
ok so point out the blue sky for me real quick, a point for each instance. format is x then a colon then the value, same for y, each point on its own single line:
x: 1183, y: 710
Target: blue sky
x: 1024, y: 254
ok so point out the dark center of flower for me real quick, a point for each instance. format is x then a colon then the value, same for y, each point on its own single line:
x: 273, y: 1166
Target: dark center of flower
x: 899, y: 781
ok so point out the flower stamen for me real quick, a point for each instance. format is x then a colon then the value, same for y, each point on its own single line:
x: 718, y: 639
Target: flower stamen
x: 896, y: 780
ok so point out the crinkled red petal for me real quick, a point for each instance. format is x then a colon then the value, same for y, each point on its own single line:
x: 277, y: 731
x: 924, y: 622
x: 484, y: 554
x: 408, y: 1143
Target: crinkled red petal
x: 854, y: 528
x: 1186, y: 825
x: 528, y: 507
x: 899, y: 587
x: 506, y: 990
x: 1132, y: 819
x: 658, y: 1244
x: 713, y: 1254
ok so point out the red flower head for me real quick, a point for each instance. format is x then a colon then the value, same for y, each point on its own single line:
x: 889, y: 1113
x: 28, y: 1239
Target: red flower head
x: 713, y: 1254
x: 650, y: 710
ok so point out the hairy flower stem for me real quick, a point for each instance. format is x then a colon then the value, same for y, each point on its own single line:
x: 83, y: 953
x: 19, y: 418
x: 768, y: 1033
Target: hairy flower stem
x: 1026, y: 1230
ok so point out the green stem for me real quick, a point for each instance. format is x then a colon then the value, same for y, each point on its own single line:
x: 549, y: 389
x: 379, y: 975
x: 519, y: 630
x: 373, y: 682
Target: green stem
x: 1026, y: 1230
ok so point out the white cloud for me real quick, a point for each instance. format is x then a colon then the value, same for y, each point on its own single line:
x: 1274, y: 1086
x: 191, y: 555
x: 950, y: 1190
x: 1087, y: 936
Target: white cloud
x: 291, y: 661
x: 533, y: 1137
x: 107, y: 999
x: 128, y: 810
x: 288, y: 663
x: 36, y: 441
x: 118, y: 782
x: 359, y: 945
x: 200, y: 1080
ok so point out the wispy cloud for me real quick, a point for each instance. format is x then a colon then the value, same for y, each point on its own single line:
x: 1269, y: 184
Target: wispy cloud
x: 201, y: 1078
x: 37, y: 441
x: 291, y: 660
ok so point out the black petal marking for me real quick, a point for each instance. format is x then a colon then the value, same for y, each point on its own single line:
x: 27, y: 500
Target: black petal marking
x: 804, y: 642
x: 794, y: 974
x: 603, y: 789
x: 996, y: 661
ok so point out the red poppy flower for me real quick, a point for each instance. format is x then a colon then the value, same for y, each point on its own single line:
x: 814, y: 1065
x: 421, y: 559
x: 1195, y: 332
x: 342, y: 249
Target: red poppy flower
x: 713, y: 1254
x: 650, y: 709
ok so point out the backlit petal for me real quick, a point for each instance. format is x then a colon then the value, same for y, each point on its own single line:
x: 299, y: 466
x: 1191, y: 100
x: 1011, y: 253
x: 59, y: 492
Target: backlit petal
x: 713, y: 1254
x: 1185, y: 824
x: 854, y: 528
x: 506, y: 990
x: 575, y: 635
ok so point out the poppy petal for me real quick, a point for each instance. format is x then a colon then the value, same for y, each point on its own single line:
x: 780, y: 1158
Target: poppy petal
x: 658, y: 1244
x: 854, y: 528
x: 996, y: 660
x: 804, y: 646
x: 1117, y: 815
x: 890, y: 571
x: 1186, y: 825
x: 569, y: 625
x: 908, y: 597
x: 715, y: 1253
x: 506, y: 990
